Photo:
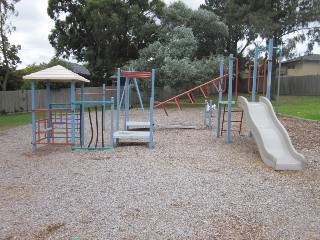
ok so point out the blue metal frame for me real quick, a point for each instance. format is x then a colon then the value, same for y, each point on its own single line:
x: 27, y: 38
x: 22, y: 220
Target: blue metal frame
x: 102, y: 103
x: 33, y: 116
x: 230, y: 97
x: 220, y: 98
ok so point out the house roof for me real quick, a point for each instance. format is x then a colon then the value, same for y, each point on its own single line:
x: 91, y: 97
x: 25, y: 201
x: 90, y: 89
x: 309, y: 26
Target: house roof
x: 56, y: 74
x: 78, y: 68
x: 312, y: 57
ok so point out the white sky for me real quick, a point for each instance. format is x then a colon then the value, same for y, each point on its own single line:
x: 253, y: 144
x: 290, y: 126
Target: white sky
x: 33, y: 27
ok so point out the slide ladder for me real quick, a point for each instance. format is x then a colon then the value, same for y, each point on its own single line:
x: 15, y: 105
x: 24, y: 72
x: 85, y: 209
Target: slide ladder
x: 239, y: 119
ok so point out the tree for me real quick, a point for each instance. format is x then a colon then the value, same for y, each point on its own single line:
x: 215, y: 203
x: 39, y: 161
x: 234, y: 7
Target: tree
x: 176, y: 54
x: 287, y: 21
x: 9, y: 53
x: 103, y: 33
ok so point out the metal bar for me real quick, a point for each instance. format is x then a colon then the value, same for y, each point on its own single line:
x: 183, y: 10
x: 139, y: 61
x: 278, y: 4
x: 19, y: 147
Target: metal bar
x: 126, y: 104
x: 279, y: 77
x: 73, y: 90
x: 220, y: 98
x: 118, y: 100
x: 269, y: 68
x: 203, y: 93
x: 191, y: 100
x: 111, y: 122
x: 91, y: 102
x: 230, y: 96
x: 82, y: 116
x: 103, y: 107
x: 190, y: 90
x: 177, y: 102
x: 210, y: 114
x: 139, y: 96
x: 33, y: 116
x: 254, y: 79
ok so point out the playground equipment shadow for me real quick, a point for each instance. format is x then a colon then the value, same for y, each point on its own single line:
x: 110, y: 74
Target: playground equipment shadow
x: 191, y: 185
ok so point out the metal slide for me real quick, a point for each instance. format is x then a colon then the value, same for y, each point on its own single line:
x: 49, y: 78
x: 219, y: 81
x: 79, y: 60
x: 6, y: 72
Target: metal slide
x: 273, y: 141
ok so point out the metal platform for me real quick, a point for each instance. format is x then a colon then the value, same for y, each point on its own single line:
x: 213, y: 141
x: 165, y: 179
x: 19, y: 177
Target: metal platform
x: 138, y: 124
x: 131, y: 134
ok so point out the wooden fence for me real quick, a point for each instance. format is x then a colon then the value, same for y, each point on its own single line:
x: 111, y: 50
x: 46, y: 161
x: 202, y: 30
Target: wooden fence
x: 300, y: 85
x: 20, y: 101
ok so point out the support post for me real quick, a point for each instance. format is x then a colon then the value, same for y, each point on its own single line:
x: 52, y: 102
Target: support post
x: 118, y: 100
x: 220, y: 97
x: 139, y: 96
x: 279, y: 78
x: 73, y: 98
x: 230, y: 97
x: 103, y: 107
x: 210, y: 114
x: 270, y: 54
x: 48, y: 106
x: 111, y: 122
x: 126, y: 104
x: 82, y: 115
x: 255, y: 71
x: 33, y: 115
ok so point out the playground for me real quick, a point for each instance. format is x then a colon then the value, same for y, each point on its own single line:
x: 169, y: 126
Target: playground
x: 191, y: 185
x: 99, y: 169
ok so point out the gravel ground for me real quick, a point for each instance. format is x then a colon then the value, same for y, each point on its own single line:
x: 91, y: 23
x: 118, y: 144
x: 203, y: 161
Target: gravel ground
x: 190, y: 186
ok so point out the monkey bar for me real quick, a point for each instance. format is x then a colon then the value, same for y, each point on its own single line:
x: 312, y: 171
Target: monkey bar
x: 190, y: 95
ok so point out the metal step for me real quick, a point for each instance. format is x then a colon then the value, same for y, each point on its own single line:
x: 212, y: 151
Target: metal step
x: 138, y: 124
x: 131, y: 134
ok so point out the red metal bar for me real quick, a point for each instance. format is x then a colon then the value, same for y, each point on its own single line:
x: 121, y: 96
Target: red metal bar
x: 178, y: 104
x: 189, y: 96
x: 136, y: 74
x: 185, y: 93
x: 203, y: 93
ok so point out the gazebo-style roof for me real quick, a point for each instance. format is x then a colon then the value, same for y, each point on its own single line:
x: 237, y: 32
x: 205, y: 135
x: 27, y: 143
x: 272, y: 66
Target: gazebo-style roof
x: 56, y: 74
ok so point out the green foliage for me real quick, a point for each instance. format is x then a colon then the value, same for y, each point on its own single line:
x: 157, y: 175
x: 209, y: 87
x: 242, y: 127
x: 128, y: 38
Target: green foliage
x: 176, y: 56
x: 104, y: 33
x: 287, y: 21
x: 8, y: 52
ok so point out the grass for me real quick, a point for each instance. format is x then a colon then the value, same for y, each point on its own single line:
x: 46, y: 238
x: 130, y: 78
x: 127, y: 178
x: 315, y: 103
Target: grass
x: 14, y: 120
x: 307, y: 107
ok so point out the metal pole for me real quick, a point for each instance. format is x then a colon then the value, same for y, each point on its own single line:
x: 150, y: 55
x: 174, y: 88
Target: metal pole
x: 73, y: 89
x: 279, y: 78
x: 230, y: 96
x: 139, y: 96
x: 33, y: 116
x: 103, y: 107
x: 220, y: 98
x: 118, y: 100
x: 269, y: 68
x: 111, y: 122
x: 82, y: 115
x: 48, y: 106
x: 254, y: 77
x: 126, y: 104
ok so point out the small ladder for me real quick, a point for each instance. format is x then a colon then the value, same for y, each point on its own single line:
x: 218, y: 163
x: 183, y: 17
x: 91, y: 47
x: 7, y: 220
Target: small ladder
x: 225, y: 110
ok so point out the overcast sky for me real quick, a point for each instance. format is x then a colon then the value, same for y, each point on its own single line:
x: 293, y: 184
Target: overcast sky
x: 34, y: 25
